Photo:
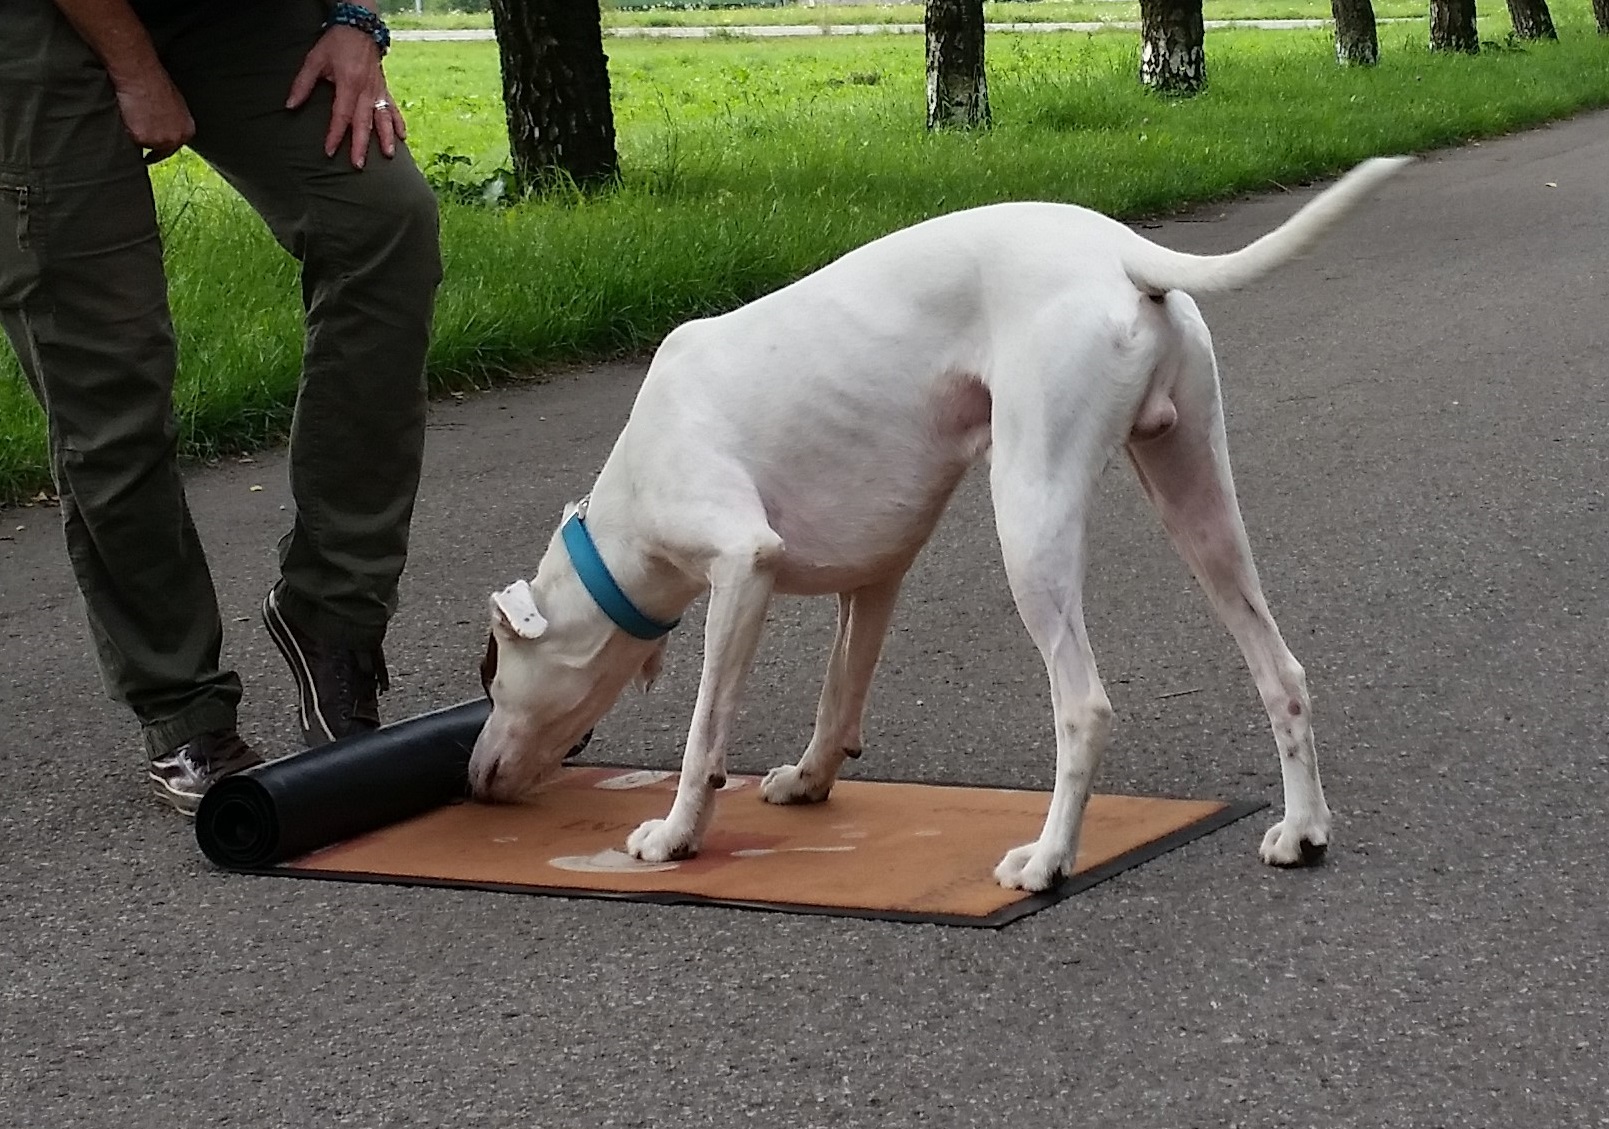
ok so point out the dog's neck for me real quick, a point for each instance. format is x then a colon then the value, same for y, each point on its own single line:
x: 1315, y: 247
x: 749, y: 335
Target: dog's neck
x: 649, y: 579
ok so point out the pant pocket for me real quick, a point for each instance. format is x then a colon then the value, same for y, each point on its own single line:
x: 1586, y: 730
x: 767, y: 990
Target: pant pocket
x: 19, y: 255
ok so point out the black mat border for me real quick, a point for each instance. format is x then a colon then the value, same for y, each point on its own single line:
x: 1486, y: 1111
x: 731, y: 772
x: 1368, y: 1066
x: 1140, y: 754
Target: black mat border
x: 1232, y: 812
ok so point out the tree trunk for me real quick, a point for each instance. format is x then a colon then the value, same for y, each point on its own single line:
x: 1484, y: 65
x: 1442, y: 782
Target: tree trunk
x: 1452, y: 26
x: 561, y: 126
x: 1600, y: 9
x: 1173, y: 59
x: 1532, y: 20
x: 957, y: 89
x: 1356, y: 42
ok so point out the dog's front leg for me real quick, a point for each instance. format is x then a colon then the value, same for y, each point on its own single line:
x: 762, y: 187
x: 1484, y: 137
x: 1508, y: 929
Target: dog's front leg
x: 740, y: 591
x: 863, y: 619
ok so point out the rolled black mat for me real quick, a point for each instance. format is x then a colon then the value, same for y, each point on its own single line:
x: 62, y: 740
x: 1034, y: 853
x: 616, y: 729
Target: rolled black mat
x: 278, y: 811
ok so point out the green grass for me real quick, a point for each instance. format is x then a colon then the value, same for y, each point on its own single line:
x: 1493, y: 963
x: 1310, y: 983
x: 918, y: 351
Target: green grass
x: 749, y: 163
x: 1023, y: 11
x: 1035, y: 11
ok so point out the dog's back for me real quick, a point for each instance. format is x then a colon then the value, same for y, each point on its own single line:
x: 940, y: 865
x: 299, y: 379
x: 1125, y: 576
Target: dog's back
x: 960, y: 279
x: 856, y: 397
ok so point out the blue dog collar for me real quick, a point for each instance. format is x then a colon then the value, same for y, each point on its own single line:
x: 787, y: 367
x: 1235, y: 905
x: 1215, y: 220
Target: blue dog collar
x: 601, y: 586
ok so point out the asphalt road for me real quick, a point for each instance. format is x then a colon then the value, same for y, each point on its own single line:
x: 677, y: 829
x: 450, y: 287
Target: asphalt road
x: 1417, y: 415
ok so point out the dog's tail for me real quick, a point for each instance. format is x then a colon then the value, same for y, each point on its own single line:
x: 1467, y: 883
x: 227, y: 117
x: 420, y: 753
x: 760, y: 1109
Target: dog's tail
x: 1156, y: 269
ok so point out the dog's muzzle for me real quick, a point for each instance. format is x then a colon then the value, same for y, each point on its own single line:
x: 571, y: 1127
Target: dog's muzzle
x: 488, y: 671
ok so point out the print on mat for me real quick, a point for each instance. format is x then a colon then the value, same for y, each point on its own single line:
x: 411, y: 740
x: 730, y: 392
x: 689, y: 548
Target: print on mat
x: 650, y: 778
x: 614, y: 861
x: 609, y: 861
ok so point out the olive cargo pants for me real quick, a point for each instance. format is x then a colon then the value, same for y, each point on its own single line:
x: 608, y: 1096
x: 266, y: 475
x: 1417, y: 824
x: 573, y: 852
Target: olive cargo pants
x: 83, y: 300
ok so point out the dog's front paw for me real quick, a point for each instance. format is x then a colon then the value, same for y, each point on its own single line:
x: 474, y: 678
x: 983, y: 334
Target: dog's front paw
x: 1032, y: 869
x: 1295, y: 842
x: 659, y: 840
x: 785, y: 784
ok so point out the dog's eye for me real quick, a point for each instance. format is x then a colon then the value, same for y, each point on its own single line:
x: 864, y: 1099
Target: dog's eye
x: 488, y: 665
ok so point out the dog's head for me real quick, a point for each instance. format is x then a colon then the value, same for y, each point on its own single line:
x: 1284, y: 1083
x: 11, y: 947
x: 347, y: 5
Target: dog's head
x: 554, y: 665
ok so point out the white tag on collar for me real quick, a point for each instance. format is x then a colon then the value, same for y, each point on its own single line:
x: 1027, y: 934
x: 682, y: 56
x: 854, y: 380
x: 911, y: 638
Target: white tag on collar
x: 518, y: 604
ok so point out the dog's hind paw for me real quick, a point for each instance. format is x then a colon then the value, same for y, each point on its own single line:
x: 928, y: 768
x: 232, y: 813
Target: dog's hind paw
x: 785, y: 784
x: 1294, y: 843
x: 658, y: 841
x: 1029, y: 868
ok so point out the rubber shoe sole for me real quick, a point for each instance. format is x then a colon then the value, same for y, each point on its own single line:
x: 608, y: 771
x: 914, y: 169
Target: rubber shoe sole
x: 181, y: 800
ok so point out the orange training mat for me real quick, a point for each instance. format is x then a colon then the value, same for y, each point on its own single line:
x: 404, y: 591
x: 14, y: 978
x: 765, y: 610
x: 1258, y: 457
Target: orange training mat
x: 899, y: 852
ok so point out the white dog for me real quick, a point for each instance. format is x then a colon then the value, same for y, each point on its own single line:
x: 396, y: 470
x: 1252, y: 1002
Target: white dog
x: 806, y: 444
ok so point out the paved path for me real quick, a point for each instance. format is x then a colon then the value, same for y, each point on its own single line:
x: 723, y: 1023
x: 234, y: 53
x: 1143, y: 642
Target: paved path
x: 1418, y: 419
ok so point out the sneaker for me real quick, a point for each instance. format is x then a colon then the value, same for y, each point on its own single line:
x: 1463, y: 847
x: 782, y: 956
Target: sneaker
x: 337, y: 688
x: 183, y: 776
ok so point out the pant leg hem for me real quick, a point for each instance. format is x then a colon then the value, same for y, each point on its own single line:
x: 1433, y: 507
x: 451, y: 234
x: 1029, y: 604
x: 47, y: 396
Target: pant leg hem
x: 325, y: 626
x: 163, y: 737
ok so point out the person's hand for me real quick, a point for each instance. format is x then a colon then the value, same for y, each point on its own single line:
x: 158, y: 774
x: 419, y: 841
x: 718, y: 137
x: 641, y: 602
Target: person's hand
x: 154, y: 113
x: 349, y: 60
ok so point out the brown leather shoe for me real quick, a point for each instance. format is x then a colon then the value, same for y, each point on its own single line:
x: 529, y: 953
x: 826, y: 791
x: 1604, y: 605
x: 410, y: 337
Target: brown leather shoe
x: 337, y: 688
x: 183, y: 776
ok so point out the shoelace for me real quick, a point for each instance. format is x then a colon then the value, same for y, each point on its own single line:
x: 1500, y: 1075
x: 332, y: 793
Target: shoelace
x: 228, y: 747
x: 357, y: 673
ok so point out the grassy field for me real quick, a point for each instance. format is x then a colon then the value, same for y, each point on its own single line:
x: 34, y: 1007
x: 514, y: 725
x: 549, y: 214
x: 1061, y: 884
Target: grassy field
x: 748, y: 163
x: 1033, y: 11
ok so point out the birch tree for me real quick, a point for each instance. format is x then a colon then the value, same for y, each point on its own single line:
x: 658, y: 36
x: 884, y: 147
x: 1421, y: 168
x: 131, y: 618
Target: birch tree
x: 561, y: 126
x: 1173, y: 57
x: 957, y: 88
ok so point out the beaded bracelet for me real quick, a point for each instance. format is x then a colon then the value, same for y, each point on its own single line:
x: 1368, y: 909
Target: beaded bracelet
x: 357, y: 16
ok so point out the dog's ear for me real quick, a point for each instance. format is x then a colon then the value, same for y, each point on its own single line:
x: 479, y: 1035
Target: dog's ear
x: 488, y: 664
x: 652, y: 667
x: 514, y: 608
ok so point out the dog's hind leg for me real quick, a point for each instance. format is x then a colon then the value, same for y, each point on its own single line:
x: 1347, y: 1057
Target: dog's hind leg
x: 1185, y: 471
x: 1044, y: 555
x: 1055, y: 423
x: 863, y: 617
x: 741, y: 579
